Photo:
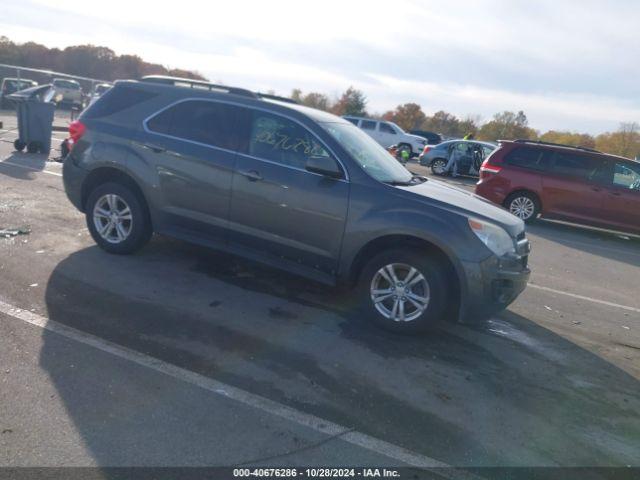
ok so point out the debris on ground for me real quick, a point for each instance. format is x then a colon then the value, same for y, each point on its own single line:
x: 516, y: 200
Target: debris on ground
x: 12, y: 232
x: 548, y: 308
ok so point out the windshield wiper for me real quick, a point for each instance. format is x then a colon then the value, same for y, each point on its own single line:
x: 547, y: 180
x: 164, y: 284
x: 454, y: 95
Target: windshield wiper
x: 415, y: 180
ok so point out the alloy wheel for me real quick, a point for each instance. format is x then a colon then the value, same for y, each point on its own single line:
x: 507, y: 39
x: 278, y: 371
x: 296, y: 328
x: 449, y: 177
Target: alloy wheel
x: 400, y: 292
x: 522, y: 207
x: 112, y: 218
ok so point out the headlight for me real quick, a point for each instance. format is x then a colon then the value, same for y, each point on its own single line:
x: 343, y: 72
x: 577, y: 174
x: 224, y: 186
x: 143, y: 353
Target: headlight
x: 494, y: 237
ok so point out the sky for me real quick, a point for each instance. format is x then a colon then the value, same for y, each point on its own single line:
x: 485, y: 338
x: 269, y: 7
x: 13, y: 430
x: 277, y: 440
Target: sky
x: 570, y: 65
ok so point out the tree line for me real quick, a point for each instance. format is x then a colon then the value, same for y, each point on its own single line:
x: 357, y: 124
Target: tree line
x: 505, y: 125
x: 103, y: 63
x: 85, y: 61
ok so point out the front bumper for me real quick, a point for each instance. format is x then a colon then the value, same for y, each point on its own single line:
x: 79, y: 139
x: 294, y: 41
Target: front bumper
x: 492, y: 285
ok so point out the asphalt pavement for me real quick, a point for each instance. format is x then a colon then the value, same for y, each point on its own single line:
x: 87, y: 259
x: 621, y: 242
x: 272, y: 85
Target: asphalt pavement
x: 182, y: 356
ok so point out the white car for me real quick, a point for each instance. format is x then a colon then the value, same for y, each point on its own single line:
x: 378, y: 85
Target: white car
x: 388, y: 133
x: 69, y: 91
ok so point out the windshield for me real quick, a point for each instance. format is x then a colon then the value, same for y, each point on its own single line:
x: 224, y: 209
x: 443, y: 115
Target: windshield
x: 373, y: 159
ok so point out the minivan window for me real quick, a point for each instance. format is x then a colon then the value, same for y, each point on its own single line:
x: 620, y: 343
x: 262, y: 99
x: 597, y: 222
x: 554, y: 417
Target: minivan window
x: 575, y: 165
x: 352, y: 120
x: 368, y: 125
x: 210, y: 123
x: 626, y: 175
x: 384, y: 128
x: 282, y: 141
x: 525, y: 157
x: 373, y: 159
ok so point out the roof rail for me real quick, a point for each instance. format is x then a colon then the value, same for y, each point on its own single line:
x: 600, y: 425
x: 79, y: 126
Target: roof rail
x: 190, y: 83
x: 540, y: 142
x: 268, y: 96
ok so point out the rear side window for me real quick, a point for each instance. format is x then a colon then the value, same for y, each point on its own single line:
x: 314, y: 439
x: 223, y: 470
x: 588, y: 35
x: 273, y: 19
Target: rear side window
x: 575, y: 165
x: 368, y: 125
x: 525, y: 157
x: 117, y: 99
x: 384, y: 128
x: 282, y: 141
x: 210, y: 123
x: 352, y: 120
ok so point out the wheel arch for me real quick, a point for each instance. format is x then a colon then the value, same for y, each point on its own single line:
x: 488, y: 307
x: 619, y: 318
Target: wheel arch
x: 377, y: 245
x: 102, y: 175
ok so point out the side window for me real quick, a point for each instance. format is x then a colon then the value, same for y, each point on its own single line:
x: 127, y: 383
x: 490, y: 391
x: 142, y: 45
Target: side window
x: 575, y: 165
x: 525, y: 157
x: 282, y: 141
x: 626, y: 175
x: 386, y: 128
x: 486, y: 151
x: 210, y: 123
x: 368, y: 125
x: 352, y: 120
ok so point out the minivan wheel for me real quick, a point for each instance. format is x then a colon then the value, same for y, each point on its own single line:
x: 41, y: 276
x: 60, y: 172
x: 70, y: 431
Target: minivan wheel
x: 117, y: 219
x: 403, y: 291
x: 439, y: 166
x: 523, y: 205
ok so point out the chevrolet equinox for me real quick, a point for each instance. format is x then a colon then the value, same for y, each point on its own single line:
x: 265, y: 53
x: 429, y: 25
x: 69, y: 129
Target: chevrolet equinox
x: 295, y: 188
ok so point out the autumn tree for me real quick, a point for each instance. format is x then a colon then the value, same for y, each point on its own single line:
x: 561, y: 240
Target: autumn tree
x: 624, y: 142
x: 408, y: 116
x: 352, y: 102
x: 442, y: 122
x: 507, y: 125
x: 83, y: 60
x: 312, y: 99
x: 569, y: 138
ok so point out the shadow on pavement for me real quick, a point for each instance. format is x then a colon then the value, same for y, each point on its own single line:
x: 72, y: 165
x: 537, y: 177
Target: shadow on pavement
x: 505, y: 392
x: 32, y: 161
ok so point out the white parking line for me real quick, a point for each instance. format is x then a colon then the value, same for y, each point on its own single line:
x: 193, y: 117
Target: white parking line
x: 269, y: 406
x: 31, y: 168
x: 582, y: 297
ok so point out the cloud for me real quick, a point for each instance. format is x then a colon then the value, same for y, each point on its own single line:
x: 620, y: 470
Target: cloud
x: 569, y: 65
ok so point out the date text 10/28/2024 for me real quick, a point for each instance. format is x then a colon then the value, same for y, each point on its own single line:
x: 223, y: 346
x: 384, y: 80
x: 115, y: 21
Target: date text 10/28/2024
x: 316, y: 473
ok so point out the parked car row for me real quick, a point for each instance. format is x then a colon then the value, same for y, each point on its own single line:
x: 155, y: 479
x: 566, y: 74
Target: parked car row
x: 388, y: 133
x: 68, y: 91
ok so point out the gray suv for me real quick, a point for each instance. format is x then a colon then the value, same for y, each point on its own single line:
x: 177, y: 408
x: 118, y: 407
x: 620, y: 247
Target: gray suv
x: 295, y: 188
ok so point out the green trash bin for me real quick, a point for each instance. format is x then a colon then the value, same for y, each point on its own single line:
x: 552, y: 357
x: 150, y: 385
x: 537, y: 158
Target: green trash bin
x: 35, y: 110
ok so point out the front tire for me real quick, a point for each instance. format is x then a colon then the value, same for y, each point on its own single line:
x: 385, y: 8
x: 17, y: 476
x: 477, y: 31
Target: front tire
x: 403, y: 290
x: 117, y: 218
x: 523, y: 205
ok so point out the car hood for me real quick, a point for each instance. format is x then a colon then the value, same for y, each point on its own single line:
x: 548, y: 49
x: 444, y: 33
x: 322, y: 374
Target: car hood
x: 416, y: 137
x: 466, y: 203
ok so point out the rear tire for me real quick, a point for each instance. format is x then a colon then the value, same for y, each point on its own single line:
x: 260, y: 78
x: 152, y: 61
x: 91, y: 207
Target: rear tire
x: 19, y: 145
x: 419, y: 295
x: 117, y: 218
x: 438, y: 167
x: 524, y: 205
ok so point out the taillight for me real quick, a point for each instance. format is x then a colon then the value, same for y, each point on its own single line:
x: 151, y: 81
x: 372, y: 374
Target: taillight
x: 426, y: 149
x: 76, y: 131
x: 487, y: 169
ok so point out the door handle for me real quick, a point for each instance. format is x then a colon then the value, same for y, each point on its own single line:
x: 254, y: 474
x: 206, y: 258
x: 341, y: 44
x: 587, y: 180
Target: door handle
x: 252, y: 175
x: 617, y: 194
x: 154, y: 148
x: 596, y: 189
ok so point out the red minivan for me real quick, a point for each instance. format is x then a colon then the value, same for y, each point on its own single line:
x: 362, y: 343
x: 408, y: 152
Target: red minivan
x: 569, y: 183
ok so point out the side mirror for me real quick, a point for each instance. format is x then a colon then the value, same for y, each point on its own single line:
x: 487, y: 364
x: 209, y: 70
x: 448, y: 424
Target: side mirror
x: 324, y: 166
